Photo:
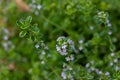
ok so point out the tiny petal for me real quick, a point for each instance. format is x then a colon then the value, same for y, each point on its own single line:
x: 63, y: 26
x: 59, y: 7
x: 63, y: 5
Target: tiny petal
x: 37, y: 46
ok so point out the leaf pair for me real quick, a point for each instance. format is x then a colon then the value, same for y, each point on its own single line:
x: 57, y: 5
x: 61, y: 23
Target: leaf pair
x: 24, y: 24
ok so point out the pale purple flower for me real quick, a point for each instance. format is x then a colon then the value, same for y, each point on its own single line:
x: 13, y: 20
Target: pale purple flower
x: 112, y: 54
x: 80, y: 48
x: 91, y: 28
x: 62, y: 48
x: 63, y: 75
x: 87, y: 65
x: 39, y: 7
x: 81, y: 41
x: 111, y: 64
x: 109, y: 24
x: 42, y: 62
x: 60, y: 38
x: 115, y: 60
x: 110, y: 32
x: 107, y: 73
x: 6, y: 37
x: 100, y: 72
x: 67, y: 58
x: 37, y: 46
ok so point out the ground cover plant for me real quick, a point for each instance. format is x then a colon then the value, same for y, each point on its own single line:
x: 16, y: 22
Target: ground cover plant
x: 59, y: 40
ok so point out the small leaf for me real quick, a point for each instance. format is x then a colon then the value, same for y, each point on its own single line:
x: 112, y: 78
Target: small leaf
x: 19, y: 23
x: 32, y: 38
x: 35, y: 28
x: 22, y: 24
x: 22, y: 33
x: 28, y: 20
x: 112, y: 47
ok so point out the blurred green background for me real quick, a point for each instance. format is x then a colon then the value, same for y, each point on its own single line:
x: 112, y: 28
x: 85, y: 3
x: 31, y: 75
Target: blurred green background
x: 76, y: 19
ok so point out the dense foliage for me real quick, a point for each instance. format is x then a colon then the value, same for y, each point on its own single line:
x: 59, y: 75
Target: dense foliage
x: 59, y: 40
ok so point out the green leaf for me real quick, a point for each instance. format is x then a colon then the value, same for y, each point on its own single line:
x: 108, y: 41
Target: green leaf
x: 112, y: 47
x: 21, y: 24
x: 28, y: 20
x: 32, y: 38
x: 22, y: 33
x: 35, y: 28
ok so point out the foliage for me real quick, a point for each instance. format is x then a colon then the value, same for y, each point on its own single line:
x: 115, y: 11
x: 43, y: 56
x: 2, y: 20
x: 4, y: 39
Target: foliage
x: 59, y: 40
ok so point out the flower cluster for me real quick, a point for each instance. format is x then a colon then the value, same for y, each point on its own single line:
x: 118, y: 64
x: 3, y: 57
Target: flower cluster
x: 102, y: 17
x: 64, y: 45
x: 6, y: 43
x: 81, y: 44
x: 114, y: 62
x: 67, y: 72
x: 69, y: 58
x: 41, y: 45
x: 90, y: 68
x: 35, y: 7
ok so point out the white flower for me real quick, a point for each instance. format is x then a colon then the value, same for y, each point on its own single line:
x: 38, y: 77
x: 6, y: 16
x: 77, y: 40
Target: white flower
x: 107, y: 73
x: 58, y: 48
x: 70, y: 77
x: 115, y: 60
x: 87, y: 65
x: 6, y: 37
x: 102, y: 14
x: 97, y: 71
x: 100, y: 72
x: 48, y: 55
x: 67, y: 58
x: 6, y: 31
x: 110, y: 32
x: 111, y: 64
x: 37, y: 46
x: 71, y: 57
x: 5, y: 45
x: 36, y: 13
x: 112, y: 54
x: 92, y: 62
x: 92, y: 68
x: 70, y: 68
x: 39, y: 7
x: 91, y: 28
x: 99, y: 13
x: 33, y: 6
x: 42, y: 62
x: 81, y: 41
x: 108, y: 21
x: 63, y: 45
x: 33, y: 1
x: 8, y: 45
x: 62, y: 51
x: 43, y: 52
x: 80, y: 48
x: 60, y: 38
x: 42, y: 44
x: 63, y: 75
x: 70, y: 42
x: 46, y: 47
x: 109, y: 24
